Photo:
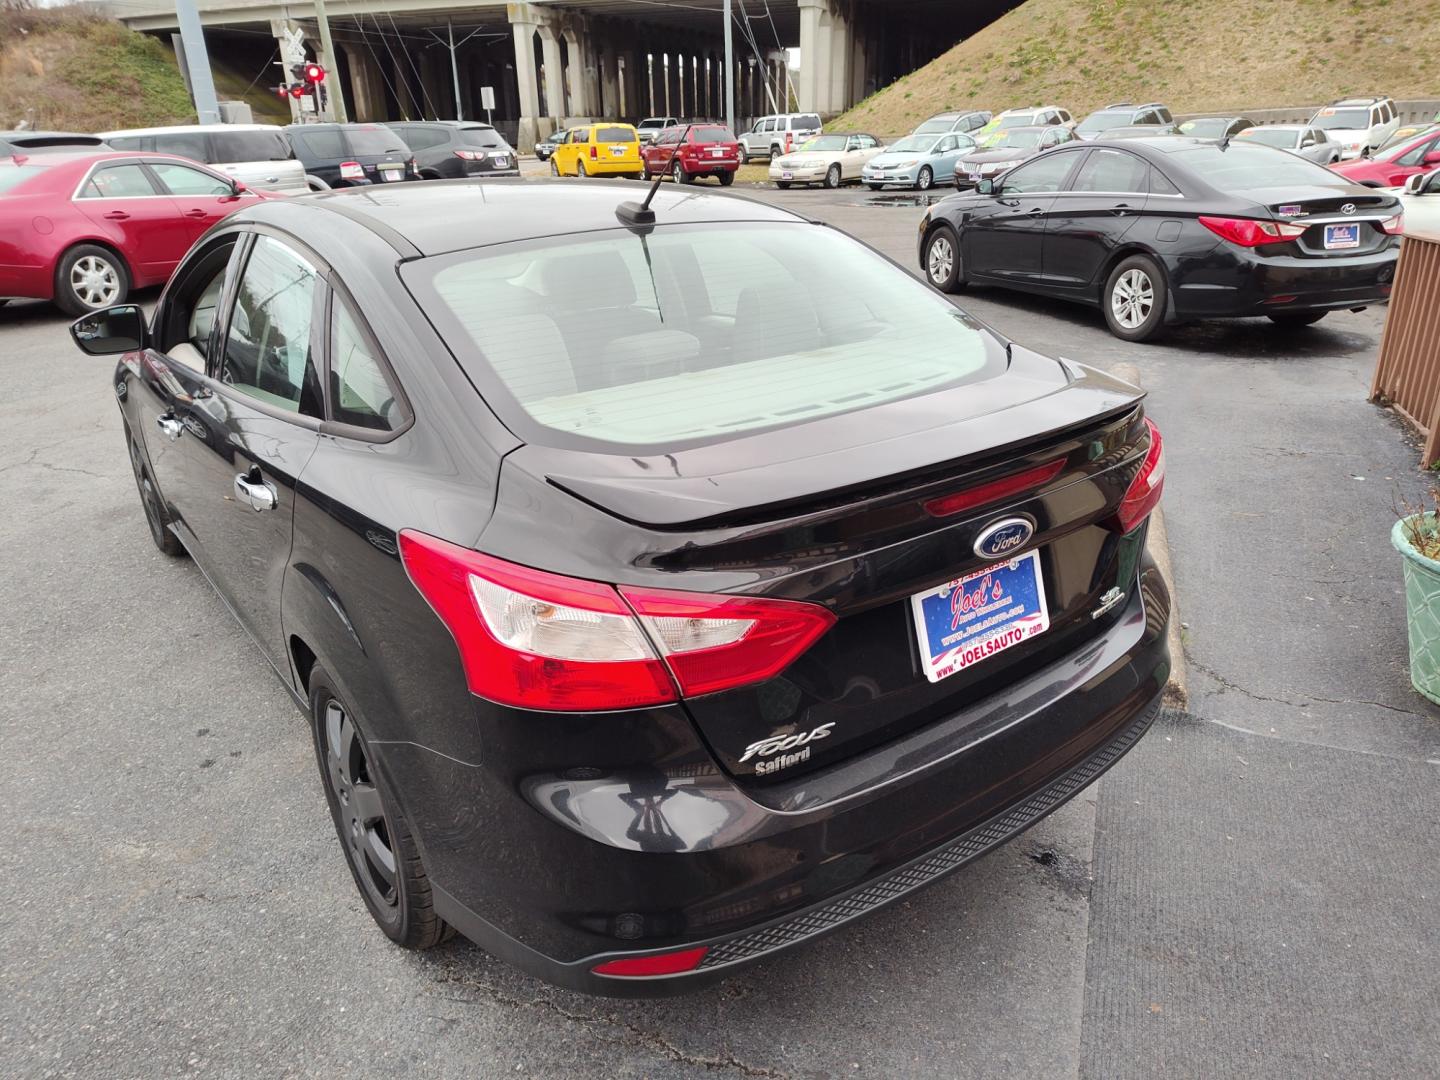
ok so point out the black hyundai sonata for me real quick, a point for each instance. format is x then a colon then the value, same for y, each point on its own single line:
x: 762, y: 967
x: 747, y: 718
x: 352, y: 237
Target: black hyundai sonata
x: 661, y: 595
x: 1168, y: 229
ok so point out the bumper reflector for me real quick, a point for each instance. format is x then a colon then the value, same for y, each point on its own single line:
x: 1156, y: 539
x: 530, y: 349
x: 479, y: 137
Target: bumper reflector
x: 663, y: 964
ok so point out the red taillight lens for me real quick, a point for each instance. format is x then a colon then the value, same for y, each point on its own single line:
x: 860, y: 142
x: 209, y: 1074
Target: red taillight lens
x: 663, y: 964
x: 1144, y: 493
x: 1393, y: 225
x: 995, y: 490
x: 471, y: 155
x: 714, y: 642
x: 1248, y: 232
x: 543, y: 641
x: 352, y: 170
x: 594, y: 153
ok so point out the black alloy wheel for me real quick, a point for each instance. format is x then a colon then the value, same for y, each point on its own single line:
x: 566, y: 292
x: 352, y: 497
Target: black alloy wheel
x: 155, y: 515
x: 378, y: 846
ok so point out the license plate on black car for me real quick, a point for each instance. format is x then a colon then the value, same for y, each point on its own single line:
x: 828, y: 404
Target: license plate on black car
x: 1342, y: 236
x: 970, y: 619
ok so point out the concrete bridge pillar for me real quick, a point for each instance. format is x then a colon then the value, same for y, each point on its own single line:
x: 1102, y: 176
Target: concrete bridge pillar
x: 554, y: 72
x: 524, y: 22
x: 840, y: 45
x: 610, y: 80
x: 810, y: 14
x: 578, y: 101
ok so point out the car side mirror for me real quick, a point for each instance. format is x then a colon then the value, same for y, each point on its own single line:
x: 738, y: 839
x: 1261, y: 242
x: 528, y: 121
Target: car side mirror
x: 986, y: 187
x: 1432, y: 157
x: 116, y: 329
x: 238, y: 188
x: 1415, y: 185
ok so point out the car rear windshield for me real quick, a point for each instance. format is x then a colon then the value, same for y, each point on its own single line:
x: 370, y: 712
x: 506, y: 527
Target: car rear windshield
x: 1285, y: 140
x: 1240, y: 168
x: 706, y: 135
x: 481, y: 136
x: 615, y: 134
x: 1342, y: 119
x: 805, y: 122
x: 935, y: 126
x: 251, y: 146
x: 12, y: 176
x: 1204, y: 129
x: 374, y: 139
x: 1104, y: 121
x: 693, y: 333
x: 1016, y: 120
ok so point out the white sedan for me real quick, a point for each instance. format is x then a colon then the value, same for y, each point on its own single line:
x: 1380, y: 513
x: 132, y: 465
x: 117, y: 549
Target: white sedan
x: 826, y: 159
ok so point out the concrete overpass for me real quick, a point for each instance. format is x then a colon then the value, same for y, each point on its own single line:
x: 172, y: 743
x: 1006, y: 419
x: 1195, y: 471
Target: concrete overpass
x: 553, y: 61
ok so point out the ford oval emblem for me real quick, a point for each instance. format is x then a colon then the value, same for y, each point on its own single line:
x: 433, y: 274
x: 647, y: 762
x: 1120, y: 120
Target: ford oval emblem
x: 1004, y: 538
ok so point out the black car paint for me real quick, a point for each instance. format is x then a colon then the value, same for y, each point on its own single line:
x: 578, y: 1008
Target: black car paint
x: 506, y: 803
x: 440, y: 162
x: 327, y: 168
x: 1064, y: 244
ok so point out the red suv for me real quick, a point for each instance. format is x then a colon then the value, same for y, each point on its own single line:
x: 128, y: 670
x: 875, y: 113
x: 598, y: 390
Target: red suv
x: 707, y: 150
x: 1394, y: 164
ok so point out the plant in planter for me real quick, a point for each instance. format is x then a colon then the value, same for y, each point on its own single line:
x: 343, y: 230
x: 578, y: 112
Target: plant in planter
x: 1417, y: 537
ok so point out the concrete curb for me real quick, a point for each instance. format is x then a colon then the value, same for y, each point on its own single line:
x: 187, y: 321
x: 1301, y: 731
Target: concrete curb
x: 1158, y: 543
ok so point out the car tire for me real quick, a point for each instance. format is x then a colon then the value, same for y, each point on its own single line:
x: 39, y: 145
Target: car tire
x: 679, y: 175
x: 372, y: 830
x: 783, y: 185
x: 554, y: 167
x: 832, y: 177
x: 1134, y: 299
x: 90, y: 278
x: 1294, y: 320
x: 875, y: 187
x: 942, y: 259
x: 580, y: 170
x: 725, y: 178
x: 744, y: 157
x: 314, y: 183
x: 775, y: 151
x: 925, y: 180
x: 154, y: 506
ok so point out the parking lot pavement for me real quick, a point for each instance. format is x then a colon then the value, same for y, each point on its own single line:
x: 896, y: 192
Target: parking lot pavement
x: 1227, y: 902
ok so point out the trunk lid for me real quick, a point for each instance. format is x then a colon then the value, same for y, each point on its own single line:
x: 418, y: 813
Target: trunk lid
x: 838, y: 517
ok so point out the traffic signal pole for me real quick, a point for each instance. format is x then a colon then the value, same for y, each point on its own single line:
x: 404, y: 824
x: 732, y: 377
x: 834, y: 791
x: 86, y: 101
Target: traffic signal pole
x: 335, y: 98
x: 197, y: 61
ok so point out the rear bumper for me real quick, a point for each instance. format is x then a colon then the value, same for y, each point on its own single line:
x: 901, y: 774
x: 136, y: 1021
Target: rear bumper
x: 612, y: 166
x: 1245, y: 284
x: 624, y: 865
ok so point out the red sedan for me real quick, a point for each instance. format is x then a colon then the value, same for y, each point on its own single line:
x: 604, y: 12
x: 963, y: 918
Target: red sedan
x: 1393, y: 165
x: 83, y: 229
x: 707, y: 150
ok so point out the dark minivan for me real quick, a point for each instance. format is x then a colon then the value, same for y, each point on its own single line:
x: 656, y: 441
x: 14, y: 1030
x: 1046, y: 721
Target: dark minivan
x: 451, y: 149
x: 645, y: 624
x: 352, y: 155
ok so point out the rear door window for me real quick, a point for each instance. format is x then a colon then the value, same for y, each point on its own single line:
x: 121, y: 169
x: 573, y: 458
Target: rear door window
x: 190, y: 144
x: 118, y: 182
x: 360, y: 391
x: 268, y: 348
x: 1111, y: 171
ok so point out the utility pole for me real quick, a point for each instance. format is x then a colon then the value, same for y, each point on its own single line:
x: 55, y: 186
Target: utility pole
x: 337, y: 100
x: 455, y: 71
x: 729, y: 72
x: 197, y: 61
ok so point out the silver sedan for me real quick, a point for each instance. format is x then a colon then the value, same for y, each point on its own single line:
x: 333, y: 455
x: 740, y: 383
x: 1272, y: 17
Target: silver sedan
x: 917, y: 161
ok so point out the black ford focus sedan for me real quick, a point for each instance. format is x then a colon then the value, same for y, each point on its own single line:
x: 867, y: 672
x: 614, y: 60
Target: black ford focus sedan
x: 660, y: 595
x: 1163, y: 230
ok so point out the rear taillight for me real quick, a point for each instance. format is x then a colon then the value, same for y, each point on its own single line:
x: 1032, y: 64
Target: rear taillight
x: 538, y: 640
x: 352, y: 170
x: 1144, y: 492
x: 672, y: 963
x: 995, y: 490
x: 594, y: 153
x: 1393, y: 225
x: 471, y: 155
x: 1248, y: 232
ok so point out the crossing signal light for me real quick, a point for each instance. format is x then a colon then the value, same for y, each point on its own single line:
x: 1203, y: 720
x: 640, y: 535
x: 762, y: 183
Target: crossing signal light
x: 297, y: 90
x: 314, y: 73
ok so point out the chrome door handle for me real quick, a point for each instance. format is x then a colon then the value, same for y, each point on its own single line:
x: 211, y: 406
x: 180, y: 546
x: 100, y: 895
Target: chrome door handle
x: 1034, y: 210
x: 196, y: 213
x: 1120, y: 209
x: 170, y: 426
x: 258, y: 494
x: 117, y: 215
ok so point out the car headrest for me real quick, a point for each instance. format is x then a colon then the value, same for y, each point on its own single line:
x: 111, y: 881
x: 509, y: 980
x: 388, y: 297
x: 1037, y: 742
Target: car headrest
x: 596, y: 280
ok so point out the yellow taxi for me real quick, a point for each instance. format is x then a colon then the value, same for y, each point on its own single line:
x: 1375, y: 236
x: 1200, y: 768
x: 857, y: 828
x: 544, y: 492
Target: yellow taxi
x: 598, y: 150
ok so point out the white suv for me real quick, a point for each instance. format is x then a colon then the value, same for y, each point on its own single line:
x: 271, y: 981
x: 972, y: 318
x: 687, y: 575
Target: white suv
x: 778, y: 134
x: 259, y: 155
x: 651, y: 126
x: 1358, y: 124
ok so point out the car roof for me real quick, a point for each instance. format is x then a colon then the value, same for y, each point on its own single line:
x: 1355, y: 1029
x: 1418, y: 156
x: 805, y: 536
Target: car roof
x: 1279, y: 127
x: 180, y: 129
x: 1358, y: 101
x: 454, y: 215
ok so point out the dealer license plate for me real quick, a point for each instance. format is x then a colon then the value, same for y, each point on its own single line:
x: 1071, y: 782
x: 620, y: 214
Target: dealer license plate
x: 787, y: 176
x: 1342, y: 236
x: 964, y: 621
x: 391, y: 174
x: 617, y: 151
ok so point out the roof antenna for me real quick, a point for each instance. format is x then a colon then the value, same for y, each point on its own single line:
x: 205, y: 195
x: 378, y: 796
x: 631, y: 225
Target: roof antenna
x: 639, y: 216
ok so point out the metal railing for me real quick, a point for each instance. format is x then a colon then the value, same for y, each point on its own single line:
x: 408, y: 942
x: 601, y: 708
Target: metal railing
x: 1407, y: 375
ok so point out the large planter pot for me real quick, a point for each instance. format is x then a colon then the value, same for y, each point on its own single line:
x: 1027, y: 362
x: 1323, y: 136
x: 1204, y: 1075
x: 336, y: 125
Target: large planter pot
x: 1422, y: 606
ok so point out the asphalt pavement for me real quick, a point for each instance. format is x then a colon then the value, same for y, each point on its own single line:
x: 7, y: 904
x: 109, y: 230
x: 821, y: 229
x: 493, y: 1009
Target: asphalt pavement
x: 1250, y: 893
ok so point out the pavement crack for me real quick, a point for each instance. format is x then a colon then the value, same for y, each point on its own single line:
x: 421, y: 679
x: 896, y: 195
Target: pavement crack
x: 1229, y: 684
x: 653, y: 1041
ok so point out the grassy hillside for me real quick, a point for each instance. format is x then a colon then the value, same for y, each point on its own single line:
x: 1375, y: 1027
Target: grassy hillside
x: 1194, y: 55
